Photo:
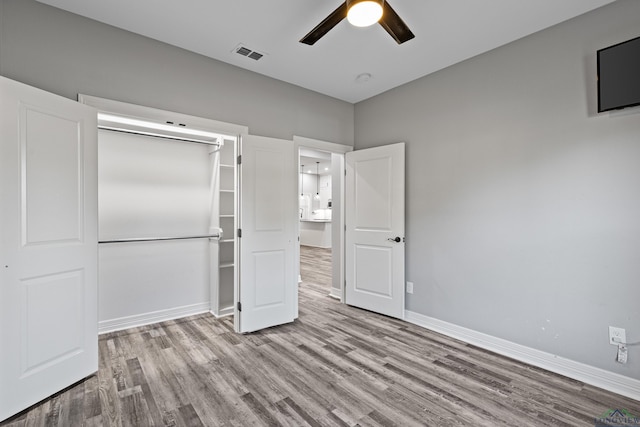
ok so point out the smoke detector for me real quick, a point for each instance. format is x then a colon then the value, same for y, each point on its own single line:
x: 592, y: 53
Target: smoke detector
x: 363, y: 78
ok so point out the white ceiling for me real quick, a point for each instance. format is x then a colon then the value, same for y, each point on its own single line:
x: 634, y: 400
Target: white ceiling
x: 308, y: 159
x: 447, y: 32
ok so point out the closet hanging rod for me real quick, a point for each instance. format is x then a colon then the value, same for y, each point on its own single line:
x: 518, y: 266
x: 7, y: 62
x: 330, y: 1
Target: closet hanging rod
x: 155, y: 239
x: 157, y: 135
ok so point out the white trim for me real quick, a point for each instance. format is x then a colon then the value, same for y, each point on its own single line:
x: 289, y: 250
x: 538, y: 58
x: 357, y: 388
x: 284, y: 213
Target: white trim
x: 149, y: 113
x: 317, y: 144
x: 597, y: 377
x: 136, y: 320
x: 227, y: 311
x: 336, y: 293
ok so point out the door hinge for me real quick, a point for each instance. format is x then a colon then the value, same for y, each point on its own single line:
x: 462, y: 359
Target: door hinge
x: 239, y: 306
x: 240, y: 159
x: 239, y: 232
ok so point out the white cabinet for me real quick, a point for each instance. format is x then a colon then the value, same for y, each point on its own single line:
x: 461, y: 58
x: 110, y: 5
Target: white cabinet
x: 222, y: 280
x: 315, y: 233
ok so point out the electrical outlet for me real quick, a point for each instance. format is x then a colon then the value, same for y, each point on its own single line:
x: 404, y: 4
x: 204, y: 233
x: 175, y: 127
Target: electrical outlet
x: 409, y: 287
x: 617, y: 335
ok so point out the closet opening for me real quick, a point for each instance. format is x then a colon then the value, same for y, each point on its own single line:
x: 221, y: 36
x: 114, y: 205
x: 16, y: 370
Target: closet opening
x: 166, y: 217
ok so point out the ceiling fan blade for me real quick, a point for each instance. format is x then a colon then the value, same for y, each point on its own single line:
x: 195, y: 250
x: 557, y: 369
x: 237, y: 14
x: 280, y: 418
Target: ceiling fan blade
x: 323, y: 28
x: 394, y: 25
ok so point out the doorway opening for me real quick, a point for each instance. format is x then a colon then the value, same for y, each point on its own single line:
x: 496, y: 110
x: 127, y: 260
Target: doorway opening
x: 315, y: 203
x: 321, y: 168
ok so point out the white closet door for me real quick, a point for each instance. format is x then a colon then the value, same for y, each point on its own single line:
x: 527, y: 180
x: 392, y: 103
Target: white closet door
x: 267, y: 284
x: 48, y: 249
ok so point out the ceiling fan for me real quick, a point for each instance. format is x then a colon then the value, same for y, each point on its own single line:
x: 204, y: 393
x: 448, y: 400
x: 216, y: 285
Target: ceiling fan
x: 379, y: 11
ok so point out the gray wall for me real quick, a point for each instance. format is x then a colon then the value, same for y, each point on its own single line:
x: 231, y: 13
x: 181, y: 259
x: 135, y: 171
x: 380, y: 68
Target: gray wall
x: 66, y: 54
x: 523, y: 203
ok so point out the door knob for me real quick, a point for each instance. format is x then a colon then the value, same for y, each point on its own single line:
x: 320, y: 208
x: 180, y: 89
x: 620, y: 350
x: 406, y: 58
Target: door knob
x: 394, y: 239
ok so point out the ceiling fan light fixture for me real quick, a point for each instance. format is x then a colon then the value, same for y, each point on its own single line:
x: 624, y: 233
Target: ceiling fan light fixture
x: 379, y: 11
x: 363, y: 13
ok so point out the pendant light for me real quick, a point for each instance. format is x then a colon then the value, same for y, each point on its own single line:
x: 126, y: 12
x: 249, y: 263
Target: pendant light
x: 317, y: 196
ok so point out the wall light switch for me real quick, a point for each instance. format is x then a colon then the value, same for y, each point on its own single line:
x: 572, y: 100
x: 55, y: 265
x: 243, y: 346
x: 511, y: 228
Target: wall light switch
x: 409, y: 287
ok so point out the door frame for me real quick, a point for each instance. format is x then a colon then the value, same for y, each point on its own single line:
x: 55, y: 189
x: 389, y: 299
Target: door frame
x: 229, y: 130
x: 337, y: 213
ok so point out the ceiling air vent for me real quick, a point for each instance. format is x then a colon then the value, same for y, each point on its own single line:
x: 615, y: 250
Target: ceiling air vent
x: 249, y: 53
x: 243, y: 51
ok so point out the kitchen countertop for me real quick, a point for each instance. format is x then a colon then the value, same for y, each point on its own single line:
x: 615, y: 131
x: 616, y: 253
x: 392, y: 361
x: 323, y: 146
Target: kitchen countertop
x: 315, y: 220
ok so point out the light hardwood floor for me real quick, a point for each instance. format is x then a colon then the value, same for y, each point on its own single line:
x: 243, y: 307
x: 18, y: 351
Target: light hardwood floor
x: 334, y: 366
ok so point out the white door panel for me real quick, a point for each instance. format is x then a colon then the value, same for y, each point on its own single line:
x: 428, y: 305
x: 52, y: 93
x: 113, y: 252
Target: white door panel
x: 375, y: 281
x: 374, y: 221
x: 48, y: 252
x: 267, y: 286
x: 372, y: 193
x: 50, y: 151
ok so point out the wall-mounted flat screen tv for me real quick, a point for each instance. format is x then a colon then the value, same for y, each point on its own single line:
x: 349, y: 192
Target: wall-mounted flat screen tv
x: 619, y: 76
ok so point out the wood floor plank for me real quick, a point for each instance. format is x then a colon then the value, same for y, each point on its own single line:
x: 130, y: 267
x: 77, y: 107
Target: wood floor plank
x: 189, y: 417
x: 266, y: 416
x: 74, y: 413
x: 91, y: 408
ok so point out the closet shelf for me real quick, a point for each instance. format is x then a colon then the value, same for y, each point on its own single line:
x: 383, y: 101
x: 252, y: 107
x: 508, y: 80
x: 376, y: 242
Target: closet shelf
x: 222, y: 295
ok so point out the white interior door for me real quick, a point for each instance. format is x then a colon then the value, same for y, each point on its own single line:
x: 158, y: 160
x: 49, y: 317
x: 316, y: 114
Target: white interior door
x: 48, y: 245
x: 267, y: 286
x: 375, y: 229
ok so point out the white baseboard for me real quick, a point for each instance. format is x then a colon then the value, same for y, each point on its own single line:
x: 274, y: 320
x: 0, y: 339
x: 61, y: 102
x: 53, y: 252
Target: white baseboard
x: 227, y: 311
x: 118, y: 324
x: 336, y: 293
x: 597, y: 377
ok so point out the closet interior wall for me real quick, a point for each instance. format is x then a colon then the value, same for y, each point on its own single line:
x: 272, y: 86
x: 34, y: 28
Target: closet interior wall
x: 155, y: 187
